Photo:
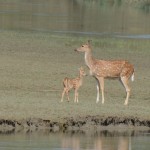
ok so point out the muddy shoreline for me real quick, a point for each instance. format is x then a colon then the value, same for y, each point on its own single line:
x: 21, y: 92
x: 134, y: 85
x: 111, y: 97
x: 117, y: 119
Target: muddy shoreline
x: 93, y: 123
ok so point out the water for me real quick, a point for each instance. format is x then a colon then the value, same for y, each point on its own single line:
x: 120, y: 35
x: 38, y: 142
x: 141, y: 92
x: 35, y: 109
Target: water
x: 102, y: 140
x: 130, y: 18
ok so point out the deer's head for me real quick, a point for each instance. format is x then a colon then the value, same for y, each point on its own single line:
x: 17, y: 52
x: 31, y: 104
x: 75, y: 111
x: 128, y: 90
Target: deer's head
x: 85, y: 47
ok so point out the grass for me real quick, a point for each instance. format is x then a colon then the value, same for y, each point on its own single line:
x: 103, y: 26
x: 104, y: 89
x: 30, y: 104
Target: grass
x: 33, y: 65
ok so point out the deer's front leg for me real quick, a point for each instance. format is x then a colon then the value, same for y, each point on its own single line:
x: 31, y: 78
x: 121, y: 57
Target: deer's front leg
x: 98, y: 89
x: 101, y: 83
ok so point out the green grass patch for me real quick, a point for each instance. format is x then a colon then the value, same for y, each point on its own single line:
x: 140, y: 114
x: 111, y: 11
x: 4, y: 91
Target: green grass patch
x: 33, y: 65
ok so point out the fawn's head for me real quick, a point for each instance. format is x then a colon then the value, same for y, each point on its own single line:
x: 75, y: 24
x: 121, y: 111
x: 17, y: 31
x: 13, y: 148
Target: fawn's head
x: 85, y: 47
x: 82, y: 72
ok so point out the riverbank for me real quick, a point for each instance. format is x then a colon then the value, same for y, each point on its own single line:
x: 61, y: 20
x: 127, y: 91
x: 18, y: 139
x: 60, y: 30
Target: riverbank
x: 82, y: 124
x: 33, y: 65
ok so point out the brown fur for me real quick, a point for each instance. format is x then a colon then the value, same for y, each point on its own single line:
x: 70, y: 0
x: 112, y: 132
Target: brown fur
x: 75, y: 83
x: 101, y: 69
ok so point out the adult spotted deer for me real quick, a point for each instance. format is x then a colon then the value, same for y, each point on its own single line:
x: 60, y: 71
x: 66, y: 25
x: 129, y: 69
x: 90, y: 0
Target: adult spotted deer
x: 75, y: 83
x: 102, y: 69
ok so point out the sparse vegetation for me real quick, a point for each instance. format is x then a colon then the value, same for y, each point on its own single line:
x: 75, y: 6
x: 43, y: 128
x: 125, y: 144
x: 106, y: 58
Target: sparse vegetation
x: 33, y: 65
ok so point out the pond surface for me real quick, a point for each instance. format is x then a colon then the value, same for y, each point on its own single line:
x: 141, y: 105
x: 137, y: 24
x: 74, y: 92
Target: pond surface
x: 102, y: 140
x: 130, y: 18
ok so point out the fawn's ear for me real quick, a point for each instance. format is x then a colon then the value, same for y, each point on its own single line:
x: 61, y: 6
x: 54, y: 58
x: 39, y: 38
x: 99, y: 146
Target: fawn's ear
x: 81, y: 68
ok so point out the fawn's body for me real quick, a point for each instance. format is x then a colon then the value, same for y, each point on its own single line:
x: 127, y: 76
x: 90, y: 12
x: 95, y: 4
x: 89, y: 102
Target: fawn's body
x: 73, y: 84
x: 101, y: 69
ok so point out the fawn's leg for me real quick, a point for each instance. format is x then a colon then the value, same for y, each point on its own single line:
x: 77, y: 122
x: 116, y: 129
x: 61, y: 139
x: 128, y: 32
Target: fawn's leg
x: 101, y: 82
x: 77, y: 100
x: 67, y: 93
x: 76, y: 96
x: 64, y: 91
x: 125, y: 84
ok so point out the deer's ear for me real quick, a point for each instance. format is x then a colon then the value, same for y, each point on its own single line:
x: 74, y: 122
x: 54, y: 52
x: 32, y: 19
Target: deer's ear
x: 89, y: 42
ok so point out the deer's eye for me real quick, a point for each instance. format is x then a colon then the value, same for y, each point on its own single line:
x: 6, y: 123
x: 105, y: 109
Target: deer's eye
x: 82, y: 45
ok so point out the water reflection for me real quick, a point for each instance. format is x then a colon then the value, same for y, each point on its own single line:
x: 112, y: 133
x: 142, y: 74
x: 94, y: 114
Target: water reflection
x: 103, y: 140
x: 94, y: 17
x: 71, y: 141
x: 100, y: 140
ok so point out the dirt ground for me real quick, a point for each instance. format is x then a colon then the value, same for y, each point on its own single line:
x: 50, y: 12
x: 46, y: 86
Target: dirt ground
x: 33, y: 65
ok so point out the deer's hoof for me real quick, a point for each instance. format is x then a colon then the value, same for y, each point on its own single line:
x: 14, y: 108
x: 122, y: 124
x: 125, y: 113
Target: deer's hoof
x: 125, y: 103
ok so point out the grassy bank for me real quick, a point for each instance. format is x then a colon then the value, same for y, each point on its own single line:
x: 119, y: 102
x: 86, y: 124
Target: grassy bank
x: 33, y: 65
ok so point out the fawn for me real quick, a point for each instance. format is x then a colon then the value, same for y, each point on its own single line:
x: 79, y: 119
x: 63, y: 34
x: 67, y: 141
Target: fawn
x: 73, y: 83
x: 101, y: 69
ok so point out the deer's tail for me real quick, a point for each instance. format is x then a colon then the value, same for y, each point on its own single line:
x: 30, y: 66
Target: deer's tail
x: 132, y: 77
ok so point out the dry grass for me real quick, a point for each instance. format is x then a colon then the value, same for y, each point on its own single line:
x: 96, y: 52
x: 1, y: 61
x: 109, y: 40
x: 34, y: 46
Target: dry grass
x: 32, y: 66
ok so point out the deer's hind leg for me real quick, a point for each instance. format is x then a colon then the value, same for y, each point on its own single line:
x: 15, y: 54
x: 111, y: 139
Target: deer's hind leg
x: 67, y: 93
x: 126, y: 85
x: 100, y: 85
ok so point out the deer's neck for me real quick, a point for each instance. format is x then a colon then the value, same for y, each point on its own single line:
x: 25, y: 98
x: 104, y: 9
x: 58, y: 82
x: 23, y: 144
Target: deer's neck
x: 80, y: 77
x: 89, y: 59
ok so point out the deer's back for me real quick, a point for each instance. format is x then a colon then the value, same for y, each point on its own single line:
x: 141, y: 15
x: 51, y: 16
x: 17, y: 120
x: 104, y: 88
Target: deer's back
x: 71, y: 83
x: 112, y: 69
